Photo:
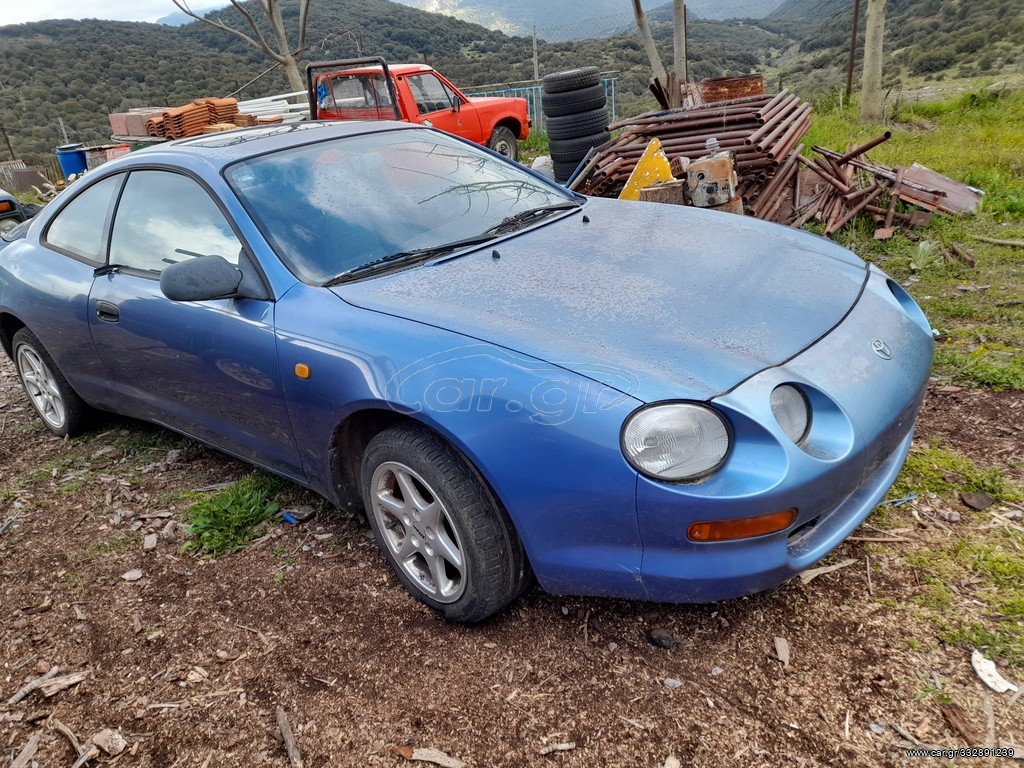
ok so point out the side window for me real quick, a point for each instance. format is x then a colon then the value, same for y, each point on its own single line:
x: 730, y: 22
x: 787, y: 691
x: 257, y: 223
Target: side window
x: 80, y: 227
x: 430, y: 93
x: 350, y: 91
x: 165, y: 218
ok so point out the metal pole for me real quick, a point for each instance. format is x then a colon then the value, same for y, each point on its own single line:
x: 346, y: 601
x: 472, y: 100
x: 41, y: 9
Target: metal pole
x: 63, y: 130
x: 8, y: 140
x: 853, y: 48
x: 536, y: 61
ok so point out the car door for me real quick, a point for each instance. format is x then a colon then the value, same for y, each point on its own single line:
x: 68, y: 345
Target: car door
x: 440, y: 106
x: 56, y: 278
x: 207, y: 368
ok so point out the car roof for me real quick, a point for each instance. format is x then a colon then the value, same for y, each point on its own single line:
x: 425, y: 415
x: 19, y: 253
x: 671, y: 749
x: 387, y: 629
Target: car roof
x: 225, y: 147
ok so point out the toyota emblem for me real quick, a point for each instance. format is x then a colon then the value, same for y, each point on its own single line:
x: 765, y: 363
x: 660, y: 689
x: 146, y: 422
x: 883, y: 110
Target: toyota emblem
x: 882, y: 349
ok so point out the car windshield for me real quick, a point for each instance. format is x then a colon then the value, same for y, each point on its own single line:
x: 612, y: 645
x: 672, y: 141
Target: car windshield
x: 331, y: 207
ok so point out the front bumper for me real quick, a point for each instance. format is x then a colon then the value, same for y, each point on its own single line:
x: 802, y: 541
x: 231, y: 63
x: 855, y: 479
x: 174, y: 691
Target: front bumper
x: 864, y: 409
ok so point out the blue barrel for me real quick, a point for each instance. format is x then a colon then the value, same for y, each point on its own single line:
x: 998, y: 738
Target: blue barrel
x: 72, y: 159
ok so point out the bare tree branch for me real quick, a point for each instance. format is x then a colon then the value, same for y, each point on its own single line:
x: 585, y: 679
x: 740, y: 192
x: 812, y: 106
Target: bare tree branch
x: 260, y: 43
x: 648, y: 40
x: 282, y: 53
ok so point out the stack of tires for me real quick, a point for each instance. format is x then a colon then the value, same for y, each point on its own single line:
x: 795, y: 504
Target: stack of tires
x: 575, y: 110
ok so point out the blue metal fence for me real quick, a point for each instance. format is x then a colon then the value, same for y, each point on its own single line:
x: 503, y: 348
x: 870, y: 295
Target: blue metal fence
x: 534, y: 95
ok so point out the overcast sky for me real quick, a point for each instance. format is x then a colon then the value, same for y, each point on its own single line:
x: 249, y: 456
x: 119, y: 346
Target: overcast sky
x: 17, y: 11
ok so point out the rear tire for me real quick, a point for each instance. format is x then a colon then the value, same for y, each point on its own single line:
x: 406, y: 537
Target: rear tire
x: 63, y: 412
x: 503, y: 141
x: 447, y: 539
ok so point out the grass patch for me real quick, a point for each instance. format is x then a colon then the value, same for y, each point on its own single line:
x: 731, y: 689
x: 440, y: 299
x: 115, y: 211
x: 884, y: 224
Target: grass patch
x: 230, y: 519
x: 975, y: 139
x: 970, y: 576
x: 996, y: 368
x: 536, y: 144
x: 943, y: 472
x: 116, y: 546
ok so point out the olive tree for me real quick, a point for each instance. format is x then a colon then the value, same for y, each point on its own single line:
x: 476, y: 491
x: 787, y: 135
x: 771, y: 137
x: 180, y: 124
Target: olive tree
x: 275, y: 45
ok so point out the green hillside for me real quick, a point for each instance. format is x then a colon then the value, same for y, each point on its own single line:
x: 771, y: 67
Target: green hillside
x: 78, y: 72
x: 924, y: 40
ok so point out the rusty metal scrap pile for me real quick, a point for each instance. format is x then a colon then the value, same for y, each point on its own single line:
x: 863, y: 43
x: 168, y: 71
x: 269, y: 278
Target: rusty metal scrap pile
x: 850, y: 185
x: 762, y: 132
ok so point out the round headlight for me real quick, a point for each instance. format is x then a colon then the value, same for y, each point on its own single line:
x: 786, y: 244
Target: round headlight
x: 793, y: 412
x: 676, y: 441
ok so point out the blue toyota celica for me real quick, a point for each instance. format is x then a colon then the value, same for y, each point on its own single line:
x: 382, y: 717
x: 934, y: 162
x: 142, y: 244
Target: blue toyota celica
x: 621, y: 399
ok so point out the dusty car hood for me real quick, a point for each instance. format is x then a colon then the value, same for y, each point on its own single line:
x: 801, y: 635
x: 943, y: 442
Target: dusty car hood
x: 680, y: 301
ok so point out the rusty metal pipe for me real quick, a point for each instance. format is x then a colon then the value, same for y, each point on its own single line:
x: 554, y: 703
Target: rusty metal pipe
x: 785, y: 132
x: 768, y: 116
x: 897, y: 216
x: 682, y: 116
x: 895, y: 197
x: 843, y: 221
x: 784, y: 174
x: 762, y: 114
x: 826, y: 176
x: 786, y: 143
x: 858, y: 151
x: 782, y: 126
x: 769, y: 126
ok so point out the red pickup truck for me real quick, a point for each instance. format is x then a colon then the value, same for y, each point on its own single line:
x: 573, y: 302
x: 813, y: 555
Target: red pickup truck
x: 370, y: 89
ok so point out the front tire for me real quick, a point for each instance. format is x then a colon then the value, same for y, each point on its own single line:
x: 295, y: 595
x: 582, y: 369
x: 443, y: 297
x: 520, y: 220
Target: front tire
x: 448, y: 541
x: 503, y: 141
x: 63, y: 412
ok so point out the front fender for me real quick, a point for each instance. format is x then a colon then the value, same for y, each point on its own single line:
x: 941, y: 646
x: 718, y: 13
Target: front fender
x: 544, y: 438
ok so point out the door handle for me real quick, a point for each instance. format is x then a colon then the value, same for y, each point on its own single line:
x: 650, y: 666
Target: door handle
x: 107, y: 312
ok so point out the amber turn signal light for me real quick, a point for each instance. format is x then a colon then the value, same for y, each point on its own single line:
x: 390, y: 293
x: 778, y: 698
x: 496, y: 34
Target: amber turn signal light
x: 6, y: 205
x: 302, y: 370
x: 741, y: 528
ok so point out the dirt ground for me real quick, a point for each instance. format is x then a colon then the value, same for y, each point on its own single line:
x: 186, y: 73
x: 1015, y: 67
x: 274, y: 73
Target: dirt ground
x: 191, y: 661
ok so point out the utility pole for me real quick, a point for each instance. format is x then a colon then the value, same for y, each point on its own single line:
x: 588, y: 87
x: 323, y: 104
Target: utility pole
x: 853, y: 48
x: 679, y: 40
x: 871, y: 89
x: 536, y: 61
x: 8, y: 141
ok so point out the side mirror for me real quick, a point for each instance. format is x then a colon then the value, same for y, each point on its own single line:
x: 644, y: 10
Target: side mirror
x: 457, y: 106
x: 200, y: 279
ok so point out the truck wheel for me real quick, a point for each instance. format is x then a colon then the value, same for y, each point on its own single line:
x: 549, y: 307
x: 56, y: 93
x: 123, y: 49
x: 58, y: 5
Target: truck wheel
x: 572, y: 79
x: 503, y: 141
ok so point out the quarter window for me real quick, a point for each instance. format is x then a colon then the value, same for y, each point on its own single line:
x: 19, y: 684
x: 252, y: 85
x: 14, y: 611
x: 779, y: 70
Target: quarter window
x: 164, y: 218
x: 78, y: 229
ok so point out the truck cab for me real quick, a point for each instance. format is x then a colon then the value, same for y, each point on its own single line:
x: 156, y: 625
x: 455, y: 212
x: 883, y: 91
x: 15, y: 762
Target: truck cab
x: 370, y: 89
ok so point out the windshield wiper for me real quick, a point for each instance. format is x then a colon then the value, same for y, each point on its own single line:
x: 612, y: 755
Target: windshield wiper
x: 407, y: 257
x: 521, y: 219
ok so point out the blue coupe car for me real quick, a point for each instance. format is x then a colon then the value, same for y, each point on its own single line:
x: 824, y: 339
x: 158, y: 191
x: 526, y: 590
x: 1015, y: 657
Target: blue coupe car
x: 623, y: 399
